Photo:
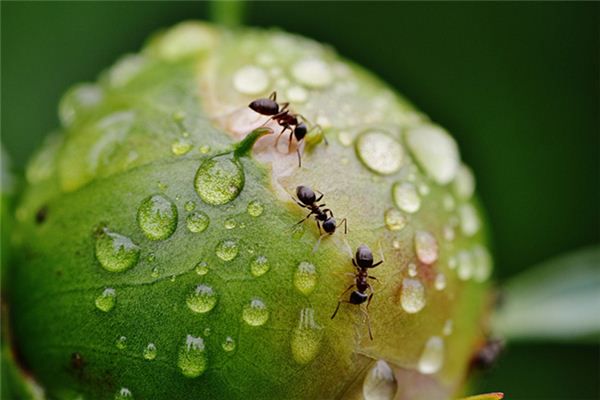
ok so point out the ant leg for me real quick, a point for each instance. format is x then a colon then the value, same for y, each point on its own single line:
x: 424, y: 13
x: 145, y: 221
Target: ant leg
x: 273, y: 95
x: 299, y: 158
x: 316, y: 246
x: 342, y: 301
x: 370, y: 296
x: 319, y: 198
x: 318, y: 226
x: 305, y: 218
x: 374, y: 278
x: 345, y: 222
x: 376, y: 264
x: 368, y: 323
x: 279, y: 137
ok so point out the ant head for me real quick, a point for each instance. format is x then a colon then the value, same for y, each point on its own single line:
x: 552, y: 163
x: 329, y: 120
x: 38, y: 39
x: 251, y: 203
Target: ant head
x: 265, y: 106
x: 364, y: 256
x: 329, y: 225
x: 306, y: 195
x: 300, y: 131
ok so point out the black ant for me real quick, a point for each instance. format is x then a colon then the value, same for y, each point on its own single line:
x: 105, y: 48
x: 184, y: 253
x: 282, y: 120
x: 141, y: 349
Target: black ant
x: 323, y: 216
x: 487, y: 355
x: 288, y: 121
x: 363, y: 260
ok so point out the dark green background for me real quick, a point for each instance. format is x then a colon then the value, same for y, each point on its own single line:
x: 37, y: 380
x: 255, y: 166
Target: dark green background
x: 517, y: 85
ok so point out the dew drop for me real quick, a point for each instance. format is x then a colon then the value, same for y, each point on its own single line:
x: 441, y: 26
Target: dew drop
x: 115, y: 252
x: 305, y: 277
x: 151, y: 257
x: 189, y: 206
x: 228, y: 344
x: 440, y: 281
x: 452, y: 263
x: 121, y: 343
x: 448, y: 327
x: 227, y: 249
x: 312, y: 72
x: 469, y: 221
x: 448, y: 233
x: 107, y: 300
x: 380, y: 383
x: 394, y: 219
x: 255, y: 313
x: 426, y: 247
x: 306, y: 337
x: 197, y: 222
x: 180, y: 147
x: 202, y: 268
x: 202, y: 299
x: 483, y: 263
x: 124, y: 394
x: 150, y: 351
x: 296, y: 94
x: 157, y: 217
x: 432, y: 357
x: 155, y: 273
x: 192, y: 359
x: 345, y: 138
x: 396, y: 244
x: 412, y: 270
x: 412, y: 298
x: 204, y: 149
x: 219, y: 180
x: 255, y: 208
x: 230, y: 223
x: 259, y: 266
x: 406, y: 197
x: 250, y: 79
x: 77, y: 101
x: 380, y: 152
x: 435, y: 150
x: 206, y: 332
x: 465, y: 265
x: 464, y: 183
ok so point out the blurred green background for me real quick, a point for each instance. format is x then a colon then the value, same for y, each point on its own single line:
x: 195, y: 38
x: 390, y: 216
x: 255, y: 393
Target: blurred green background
x: 516, y: 84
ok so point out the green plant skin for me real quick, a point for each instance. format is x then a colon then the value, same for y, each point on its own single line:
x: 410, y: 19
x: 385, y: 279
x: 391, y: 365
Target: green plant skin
x: 98, y: 175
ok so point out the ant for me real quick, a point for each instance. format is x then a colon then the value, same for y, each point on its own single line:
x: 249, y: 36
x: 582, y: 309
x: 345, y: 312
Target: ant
x: 323, y: 216
x: 487, y: 355
x: 287, y: 120
x: 363, y: 260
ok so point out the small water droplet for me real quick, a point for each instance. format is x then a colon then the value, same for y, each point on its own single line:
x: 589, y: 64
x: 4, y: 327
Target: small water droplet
x: 312, y: 72
x: 306, y: 337
x: 78, y: 101
x: 432, y: 357
x: 151, y: 257
x: 157, y: 217
x: 204, y: 149
x: 412, y: 270
x: 178, y: 115
x: 465, y: 265
x: 115, y: 252
x: 250, y: 79
x: 464, y: 183
x: 107, y: 300
x: 155, y: 273
x: 173, y: 278
x: 406, y: 197
x: 305, y: 277
x: 297, y: 94
x: 207, y: 331
x: 426, y: 247
x: 255, y: 313
x: 227, y: 249
x: 181, y: 146
x: 228, y: 344
x: 255, y: 208
x: 440, y: 281
x: 452, y: 262
x: 380, y: 383
x: 197, y: 222
x: 394, y: 219
x: 121, y: 342
x: 123, y: 394
x: 162, y: 186
x: 189, y: 206
x: 380, y: 152
x: 435, y: 150
x: 448, y: 233
x: 202, y: 299
x: 396, y: 244
x: 259, y: 266
x: 412, y: 298
x: 150, y: 351
x: 229, y: 223
x: 192, y: 359
x: 469, y: 221
x: 345, y: 138
x: 483, y: 263
x: 202, y: 268
x: 219, y: 180
x: 448, y: 327
x: 448, y: 202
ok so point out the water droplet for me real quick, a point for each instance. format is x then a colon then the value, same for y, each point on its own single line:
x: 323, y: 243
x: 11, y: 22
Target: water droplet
x: 426, y: 247
x: 440, y: 281
x: 406, y: 197
x: 435, y: 150
x: 219, y: 180
x: 229, y: 223
x: 206, y: 332
x: 483, y: 263
x: 204, y: 149
x: 121, y: 342
x: 202, y: 299
x: 380, y: 152
x: 162, y: 186
x: 157, y: 217
x: 448, y: 202
x: 151, y: 257
x: 255, y: 313
x: 202, y: 268
x: 189, y: 206
x: 448, y: 233
x: 150, y: 351
x: 77, y: 101
x: 197, y: 222
x: 469, y: 221
x: 432, y: 357
x: 155, y: 273
x: 396, y: 244
x: 124, y: 394
x: 192, y: 359
x: 255, y: 208
x: 306, y: 338
x: 250, y: 79
x: 448, y: 327
x: 380, y: 383
x: 178, y: 115
x: 297, y: 94
x: 115, y: 252
x: 345, y: 138
x: 107, y: 300
x: 394, y: 220
x: 464, y: 183
x: 312, y: 72
x: 180, y: 147
x: 305, y: 277
x: 412, y: 298
x: 227, y: 249
x: 412, y: 270
x: 452, y: 263
x: 465, y: 265
x: 259, y: 266
x: 228, y: 344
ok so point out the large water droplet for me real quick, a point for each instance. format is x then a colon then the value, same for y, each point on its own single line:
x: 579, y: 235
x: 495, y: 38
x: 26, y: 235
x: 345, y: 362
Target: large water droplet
x: 181, y: 146
x: 380, y: 152
x: 435, y: 150
x: 426, y: 247
x: 121, y: 342
x: 312, y: 72
x: 192, y: 359
x: 412, y: 298
x: 219, y: 180
x: 380, y: 383
x: 255, y: 208
x: 202, y: 268
x: 251, y: 80
x: 202, y: 299
x: 305, y: 277
x: 259, y: 266
x: 306, y: 338
x: 107, y: 300
x: 230, y: 223
x: 123, y: 394
x: 150, y: 352
x: 197, y: 222
x: 432, y: 357
x: 255, y: 313
x: 228, y: 344
x: 157, y: 217
x: 469, y: 221
x: 394, y: 220
x: 406, y: 197
x: 465, y: 265
x: 227, y: 249
x: 114, y: 251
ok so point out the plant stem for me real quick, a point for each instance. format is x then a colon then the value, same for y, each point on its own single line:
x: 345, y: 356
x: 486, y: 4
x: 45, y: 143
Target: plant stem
x: 227, y: 12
